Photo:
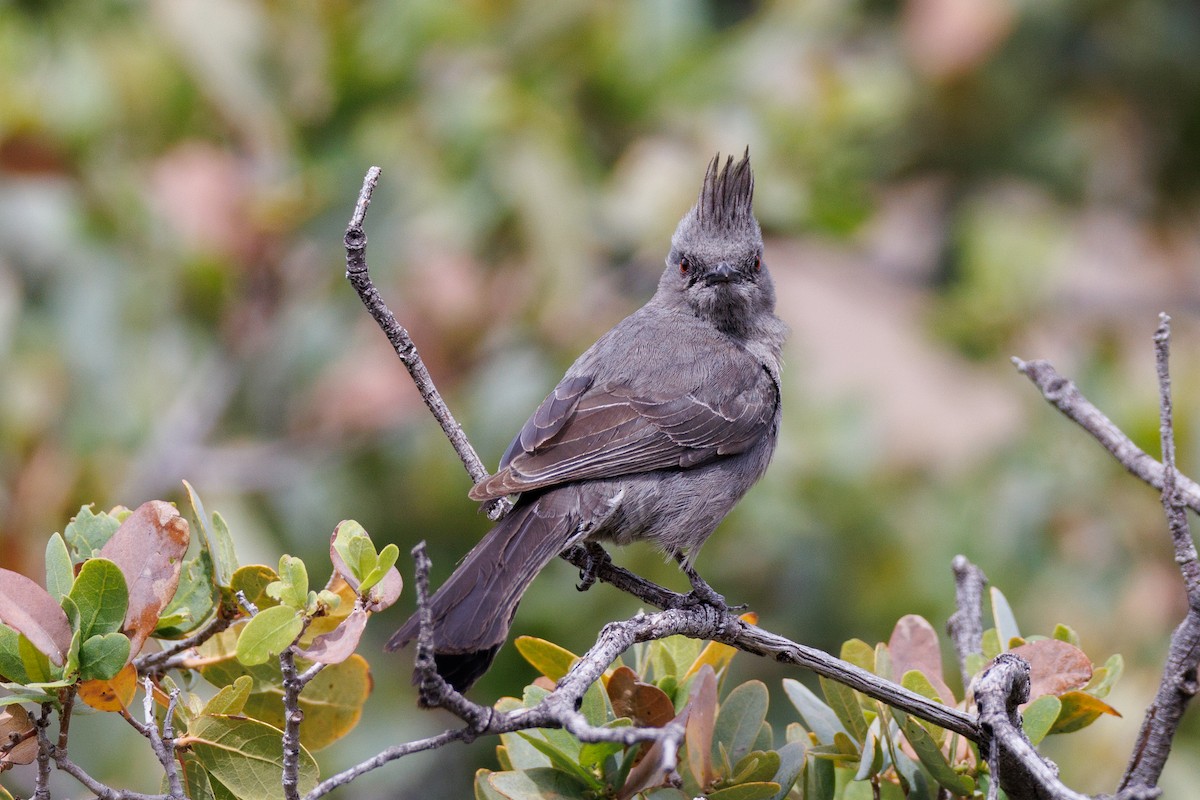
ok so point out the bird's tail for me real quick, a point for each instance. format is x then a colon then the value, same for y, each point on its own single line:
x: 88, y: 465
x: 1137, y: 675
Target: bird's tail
x: 473, y: 609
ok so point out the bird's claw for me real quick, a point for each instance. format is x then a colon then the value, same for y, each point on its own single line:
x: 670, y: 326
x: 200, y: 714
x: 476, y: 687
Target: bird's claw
x: 589, y: 572
x: 703, y: 594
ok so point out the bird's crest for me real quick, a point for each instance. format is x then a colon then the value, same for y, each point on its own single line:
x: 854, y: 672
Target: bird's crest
x: 727, y: 194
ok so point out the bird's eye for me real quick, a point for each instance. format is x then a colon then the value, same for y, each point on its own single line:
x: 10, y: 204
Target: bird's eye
x: 758, y: 263
x: 684, y: 265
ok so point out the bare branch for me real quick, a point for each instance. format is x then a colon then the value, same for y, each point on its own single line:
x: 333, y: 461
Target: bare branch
x: 359, y: 276
x: 163, y: 743
x: 1066, y: 397
x: 1178, y: 684
x: 41, y: 789
x: 293, y: 715
x: 965, y: 625
x: 1181, y: 534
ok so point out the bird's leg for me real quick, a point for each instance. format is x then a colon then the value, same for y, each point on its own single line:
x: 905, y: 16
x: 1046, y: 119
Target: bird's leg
x: 596, y: 556
x: 701, y: 591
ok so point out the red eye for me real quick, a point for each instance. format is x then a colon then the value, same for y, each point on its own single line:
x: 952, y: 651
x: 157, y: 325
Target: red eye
x: 757, y: 263
x: 684, y: 266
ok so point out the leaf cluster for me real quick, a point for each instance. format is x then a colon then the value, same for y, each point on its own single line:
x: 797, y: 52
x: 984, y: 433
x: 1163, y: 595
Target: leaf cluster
x: 842, y: 746
x: 132, y: 599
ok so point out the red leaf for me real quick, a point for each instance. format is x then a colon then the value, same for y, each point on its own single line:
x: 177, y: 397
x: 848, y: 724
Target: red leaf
x: 16, y: 727
x: 149, y: 548
x: 914, y: 645
x: 338, y: 645
x: 1056, y: 667
x: 646, y: 704
x: 29, y: 609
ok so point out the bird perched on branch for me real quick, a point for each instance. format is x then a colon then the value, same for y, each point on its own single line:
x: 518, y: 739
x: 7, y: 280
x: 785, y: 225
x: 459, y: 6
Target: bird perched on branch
x: 652, y: 435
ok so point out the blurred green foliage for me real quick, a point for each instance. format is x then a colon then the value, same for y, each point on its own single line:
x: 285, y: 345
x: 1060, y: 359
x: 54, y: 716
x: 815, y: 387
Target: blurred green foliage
x: 942, y: 183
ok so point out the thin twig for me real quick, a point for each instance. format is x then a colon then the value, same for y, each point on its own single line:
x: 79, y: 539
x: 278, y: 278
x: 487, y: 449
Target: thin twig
x: 162, y: 743
x: 41, y: 789
x: 1066, y: 397
x: 247, y: 606
x: 293, y: 715
x: 151, y: 663
x: 359, y: 276
x: 1178, y: 684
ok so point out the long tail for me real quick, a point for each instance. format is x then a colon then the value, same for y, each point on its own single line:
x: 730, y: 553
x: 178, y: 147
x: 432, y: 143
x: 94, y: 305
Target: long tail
x: 473, y: 609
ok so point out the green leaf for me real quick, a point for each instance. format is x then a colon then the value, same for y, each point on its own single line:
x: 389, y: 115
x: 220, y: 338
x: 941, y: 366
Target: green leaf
x: 246, y: 756
x: 991, y: 644
x: 522, y: 755
x: 845, y: 703
x: 195, y: 598
x: 196, y: 784
x: 1104, y: 678
x: 268, y: 633
x: 34, y: 662
x: 596, y: 707
x: 755, y: 767
x: 765, y: 739
x: 542, y: 783
x: 60, y: 569
x: 883, y: 661
x: 100, y: 594
x: 739, y: 720
x: 872, y: 759
x: 546, y: 657
x: 102, y: 656
x: 820, y: 779
x: 252, y: 580
x: 746, y: 791
x: 387, y: 560
x: 1039, y: 716
x: 791, y: 764
x: 12, y: 666
x: 1006, y: 622
x: 354, y: 545
x: 86, y: 533
x: 1065, y: 633
x: 231, y: 699
x: 592, y: 754
x: 859, y: 653
x: 226, y: 557
x: 561, y: 760
x: 483, y: 789
x: 217, y: 541
x: 934, y: 761
x: 913, y: 779
x: 818, y: 717
x: 292, y: 587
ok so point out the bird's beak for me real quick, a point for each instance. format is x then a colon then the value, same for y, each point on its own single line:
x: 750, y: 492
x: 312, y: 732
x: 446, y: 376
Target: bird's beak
x: 722, y: 273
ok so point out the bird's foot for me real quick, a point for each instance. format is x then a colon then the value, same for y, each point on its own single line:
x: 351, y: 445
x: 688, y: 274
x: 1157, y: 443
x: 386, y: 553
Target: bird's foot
x: 597, y: 556
x: 703, y: 594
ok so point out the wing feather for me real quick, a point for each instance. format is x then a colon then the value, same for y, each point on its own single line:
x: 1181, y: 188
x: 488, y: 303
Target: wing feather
x: 586, y: 430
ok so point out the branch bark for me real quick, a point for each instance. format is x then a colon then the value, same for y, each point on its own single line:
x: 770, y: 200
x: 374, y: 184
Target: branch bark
x: 359, y: 276
x: 1178, y: 684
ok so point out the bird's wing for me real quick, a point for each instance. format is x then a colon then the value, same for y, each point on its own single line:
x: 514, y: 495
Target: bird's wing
x: 587, y: 430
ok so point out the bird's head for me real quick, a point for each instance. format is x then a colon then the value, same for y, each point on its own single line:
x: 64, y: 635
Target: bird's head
x: 715, y: 268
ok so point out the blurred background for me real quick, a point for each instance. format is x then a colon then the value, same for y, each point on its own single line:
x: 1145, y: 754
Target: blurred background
x: 943, y: 184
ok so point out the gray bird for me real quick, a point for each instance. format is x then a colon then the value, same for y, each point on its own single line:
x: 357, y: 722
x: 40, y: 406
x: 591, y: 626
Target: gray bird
x: 653, y: 434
